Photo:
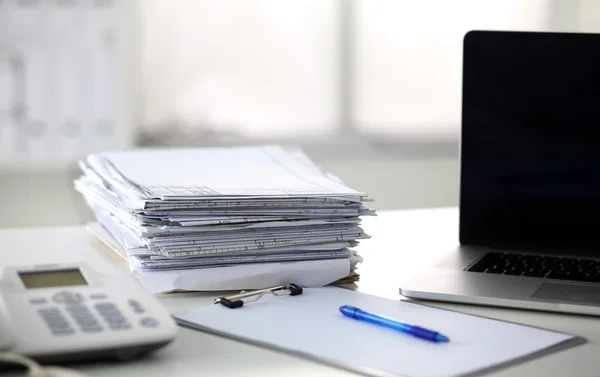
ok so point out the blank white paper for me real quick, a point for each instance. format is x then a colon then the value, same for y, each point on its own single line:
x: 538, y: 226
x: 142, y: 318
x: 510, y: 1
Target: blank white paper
x: 265, y: 170
x: 311, y: 325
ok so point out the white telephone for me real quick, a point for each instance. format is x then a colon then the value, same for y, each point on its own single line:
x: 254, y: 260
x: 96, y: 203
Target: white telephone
x: 54, y: 313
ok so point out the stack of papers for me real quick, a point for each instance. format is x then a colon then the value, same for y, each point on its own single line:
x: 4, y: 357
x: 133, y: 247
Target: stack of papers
x: 224, y: 218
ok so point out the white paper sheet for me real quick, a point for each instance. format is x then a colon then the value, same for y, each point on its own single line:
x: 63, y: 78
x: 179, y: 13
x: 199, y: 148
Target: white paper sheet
x: 315, y: 328
x: 267, y: 170
x: 255, y: 276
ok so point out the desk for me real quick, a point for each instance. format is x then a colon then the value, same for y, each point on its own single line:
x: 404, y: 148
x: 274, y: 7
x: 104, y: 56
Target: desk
x: 402, y: 242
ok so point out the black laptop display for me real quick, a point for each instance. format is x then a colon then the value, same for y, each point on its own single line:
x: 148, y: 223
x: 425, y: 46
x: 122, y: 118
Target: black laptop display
x: 530, y: 148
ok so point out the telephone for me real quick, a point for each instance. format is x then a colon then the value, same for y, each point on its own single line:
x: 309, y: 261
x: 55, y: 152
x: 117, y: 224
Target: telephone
x: 67, y: 312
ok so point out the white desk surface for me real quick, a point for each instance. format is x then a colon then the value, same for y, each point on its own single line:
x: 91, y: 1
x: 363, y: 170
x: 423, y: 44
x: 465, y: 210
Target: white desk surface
x: 402, y: 241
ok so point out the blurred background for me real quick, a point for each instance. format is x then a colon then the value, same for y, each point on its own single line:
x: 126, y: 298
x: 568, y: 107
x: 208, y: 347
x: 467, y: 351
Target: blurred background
x: 371, y: 89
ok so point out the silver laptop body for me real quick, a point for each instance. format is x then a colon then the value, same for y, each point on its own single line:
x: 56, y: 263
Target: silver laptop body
x: 530, y: 176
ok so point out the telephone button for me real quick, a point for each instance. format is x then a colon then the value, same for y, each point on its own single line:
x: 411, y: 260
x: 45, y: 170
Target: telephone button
x: 68, y: 331
x: 92, y: 329
x: 79, y: 311
x: 57, y: 323
x: 106, y: 307
x: 112, y: 316
x: 149, y: 322
x: 136, y: 306
x: 38, y: 301
x: 50, y: 313
x: 84, y: 318
x: 98, y: 296
x: 124, y: 326
x: 117, y: 321
x: 66, y: 297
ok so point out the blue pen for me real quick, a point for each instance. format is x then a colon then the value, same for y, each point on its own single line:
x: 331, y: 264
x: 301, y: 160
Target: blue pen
x: 416, y: 331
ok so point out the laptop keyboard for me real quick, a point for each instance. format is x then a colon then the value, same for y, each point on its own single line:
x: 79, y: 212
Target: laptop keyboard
x: 540, y: 266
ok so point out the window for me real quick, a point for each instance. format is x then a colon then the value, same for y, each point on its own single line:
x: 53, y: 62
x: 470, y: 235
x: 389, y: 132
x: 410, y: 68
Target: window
x: 218, y: 71
x: 408, y: 58
x: 263, y: 68
x: 283, y: 68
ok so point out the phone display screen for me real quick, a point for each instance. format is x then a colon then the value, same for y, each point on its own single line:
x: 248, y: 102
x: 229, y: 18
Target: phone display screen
x: 54, y: 278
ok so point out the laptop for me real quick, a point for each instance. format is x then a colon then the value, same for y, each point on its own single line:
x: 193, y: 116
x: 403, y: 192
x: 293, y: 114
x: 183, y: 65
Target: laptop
x: 529, y: 176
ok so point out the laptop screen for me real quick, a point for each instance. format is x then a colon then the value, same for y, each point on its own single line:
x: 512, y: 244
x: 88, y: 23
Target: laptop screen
x: 530, y: 140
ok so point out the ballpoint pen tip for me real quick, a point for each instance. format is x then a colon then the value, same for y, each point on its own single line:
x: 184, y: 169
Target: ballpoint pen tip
x: 441, y: 338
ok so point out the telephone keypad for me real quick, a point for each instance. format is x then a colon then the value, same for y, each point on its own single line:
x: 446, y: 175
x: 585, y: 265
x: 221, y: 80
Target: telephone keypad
x: 84, y: 318
x: 113, y: 317
x: 56, y: 321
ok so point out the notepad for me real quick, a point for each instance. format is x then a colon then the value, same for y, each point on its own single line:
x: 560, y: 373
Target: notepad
x: 311, y: 325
